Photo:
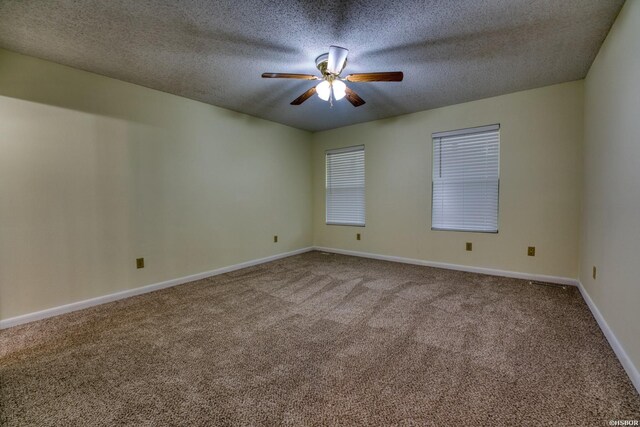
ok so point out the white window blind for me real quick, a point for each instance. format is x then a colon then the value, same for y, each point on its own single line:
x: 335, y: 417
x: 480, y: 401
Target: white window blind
x: 345, y: 186
x: 466, y: 174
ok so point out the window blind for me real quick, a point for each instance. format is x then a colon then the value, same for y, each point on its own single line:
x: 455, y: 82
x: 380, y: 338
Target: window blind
x: 345, y: 186
x: 466, y: 175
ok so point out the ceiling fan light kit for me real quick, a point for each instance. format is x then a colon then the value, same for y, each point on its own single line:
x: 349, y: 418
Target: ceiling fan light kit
x: 332, y: 86
x: 326, y: 89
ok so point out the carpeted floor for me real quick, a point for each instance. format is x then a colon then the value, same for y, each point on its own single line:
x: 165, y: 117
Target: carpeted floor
x: 321, y: 339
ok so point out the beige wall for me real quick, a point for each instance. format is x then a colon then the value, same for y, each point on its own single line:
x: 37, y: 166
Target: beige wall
x: 540, y: 167
x: 95, y: 172
x: 611, y: 208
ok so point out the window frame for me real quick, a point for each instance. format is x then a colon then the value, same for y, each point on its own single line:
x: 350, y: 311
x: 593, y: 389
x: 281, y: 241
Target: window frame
x: 460, y: 132
x: 353, y: 148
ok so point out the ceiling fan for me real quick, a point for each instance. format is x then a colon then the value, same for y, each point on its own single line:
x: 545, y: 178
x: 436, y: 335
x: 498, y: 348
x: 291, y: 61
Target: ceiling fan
x: 332, y: 85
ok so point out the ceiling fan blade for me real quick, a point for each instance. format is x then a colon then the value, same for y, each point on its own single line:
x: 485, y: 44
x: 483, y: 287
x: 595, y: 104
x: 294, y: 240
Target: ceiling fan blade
x: 308, y: 94
x: 393, y: 76
x: 288, y: 76
x: 337, y: 59
x: 353, y: 98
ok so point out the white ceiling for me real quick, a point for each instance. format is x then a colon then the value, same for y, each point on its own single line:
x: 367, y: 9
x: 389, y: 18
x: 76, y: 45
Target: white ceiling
x: 215, y: 51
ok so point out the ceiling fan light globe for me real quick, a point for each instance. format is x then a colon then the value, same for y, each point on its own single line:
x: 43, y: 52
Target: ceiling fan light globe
x: 323, y: 89
x: 339, y: 90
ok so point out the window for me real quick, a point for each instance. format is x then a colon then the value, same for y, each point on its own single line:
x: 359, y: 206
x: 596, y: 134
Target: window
x: 345, y: 186
x: 466, y: 174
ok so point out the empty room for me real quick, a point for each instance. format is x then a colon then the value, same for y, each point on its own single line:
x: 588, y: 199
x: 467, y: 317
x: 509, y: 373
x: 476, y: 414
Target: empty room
x: 319, y: 213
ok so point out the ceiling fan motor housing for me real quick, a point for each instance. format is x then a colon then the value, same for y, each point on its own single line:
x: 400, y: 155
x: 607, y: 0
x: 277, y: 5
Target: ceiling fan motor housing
x: 322, y: 62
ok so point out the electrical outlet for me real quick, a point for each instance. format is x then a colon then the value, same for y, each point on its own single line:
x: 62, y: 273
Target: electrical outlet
x: 594, y: 272
x: 531, y: 251
x: 139, y: 262
x: 275, y: 239
x: 358, y: 236
x: 469, y: 246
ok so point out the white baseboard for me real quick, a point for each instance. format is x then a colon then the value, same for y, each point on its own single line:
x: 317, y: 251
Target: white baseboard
x: 624, y: 358
x: 67, y: 308
x: 470, y: 269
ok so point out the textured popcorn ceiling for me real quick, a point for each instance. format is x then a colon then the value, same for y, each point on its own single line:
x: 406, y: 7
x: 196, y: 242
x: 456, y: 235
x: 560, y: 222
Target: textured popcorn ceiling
x: 215, y: 51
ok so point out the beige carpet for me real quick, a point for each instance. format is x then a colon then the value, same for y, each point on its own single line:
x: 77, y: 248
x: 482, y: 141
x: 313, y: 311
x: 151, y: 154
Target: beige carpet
x: 320, y: 339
